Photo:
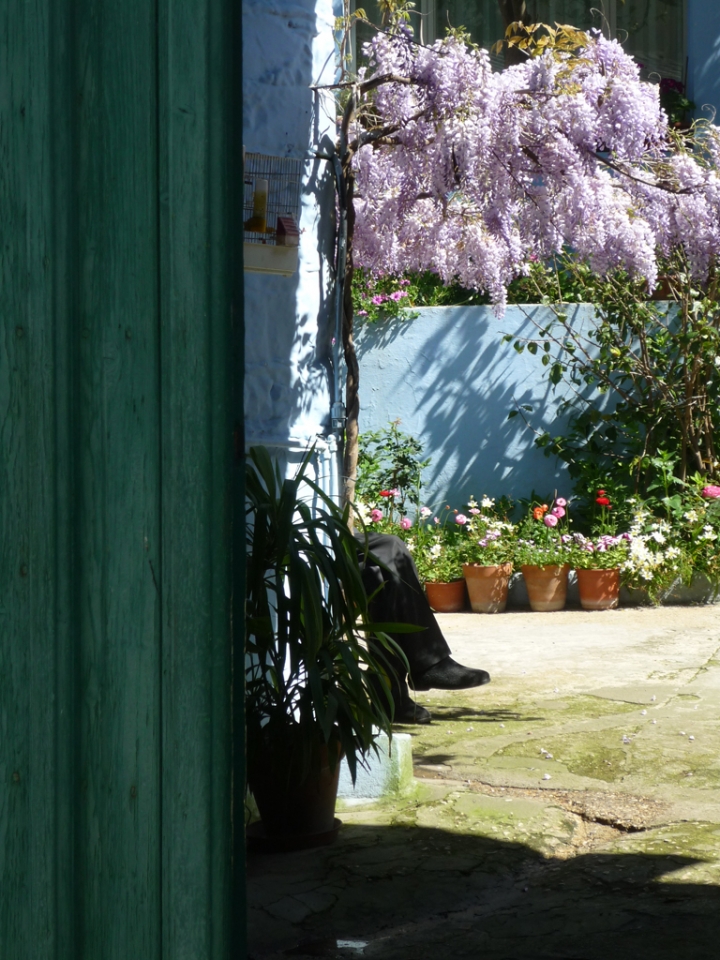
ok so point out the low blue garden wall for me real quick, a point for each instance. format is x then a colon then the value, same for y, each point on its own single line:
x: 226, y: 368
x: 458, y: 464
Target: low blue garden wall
x: 452, y: 381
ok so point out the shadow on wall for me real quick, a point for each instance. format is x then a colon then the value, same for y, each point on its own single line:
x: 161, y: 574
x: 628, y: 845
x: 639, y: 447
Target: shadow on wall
x: 289, y: 319
x: 452, y: 381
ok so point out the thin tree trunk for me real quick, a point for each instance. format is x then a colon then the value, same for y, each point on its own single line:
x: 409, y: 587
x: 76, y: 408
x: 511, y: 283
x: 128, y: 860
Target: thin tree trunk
x: 352, y: 399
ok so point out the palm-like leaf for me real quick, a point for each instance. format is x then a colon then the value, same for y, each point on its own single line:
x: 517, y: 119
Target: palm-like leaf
x: 308, y: 665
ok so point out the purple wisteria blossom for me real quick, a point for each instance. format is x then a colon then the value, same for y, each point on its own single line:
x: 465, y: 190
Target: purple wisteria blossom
x: 477, y: 173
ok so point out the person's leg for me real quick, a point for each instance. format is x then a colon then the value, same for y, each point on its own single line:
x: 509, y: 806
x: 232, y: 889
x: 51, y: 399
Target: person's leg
x: 401, y: 599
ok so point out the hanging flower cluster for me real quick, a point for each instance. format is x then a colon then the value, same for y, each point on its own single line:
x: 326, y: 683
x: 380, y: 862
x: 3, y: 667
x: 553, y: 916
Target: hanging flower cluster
x: 474, y: 174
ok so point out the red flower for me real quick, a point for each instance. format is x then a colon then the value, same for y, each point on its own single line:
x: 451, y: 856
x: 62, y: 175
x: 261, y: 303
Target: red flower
x: 601, y: 493
x: 384, y: 493
x: 603, y: 501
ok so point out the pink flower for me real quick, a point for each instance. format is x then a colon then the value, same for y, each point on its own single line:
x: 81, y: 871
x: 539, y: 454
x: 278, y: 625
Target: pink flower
x: 378, y: 299
x: 406, y: 523
x: 436, y: 519
x: 560, y: 502
x: 398, y: 295
x: 395, y: 493
x: 711, y: 492
x: 425, y: 511
x: 474, y: 511
x: 461, y: 519
x: 550, y: 520
x: 558, y: 511
x: 376, y: 515
x: 404, y: 283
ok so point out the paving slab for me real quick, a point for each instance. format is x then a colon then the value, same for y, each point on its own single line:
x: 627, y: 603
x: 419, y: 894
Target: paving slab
x: 569, y: 809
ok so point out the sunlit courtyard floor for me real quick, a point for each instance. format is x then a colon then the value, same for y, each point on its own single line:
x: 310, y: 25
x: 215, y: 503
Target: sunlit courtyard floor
x: 570, y: 809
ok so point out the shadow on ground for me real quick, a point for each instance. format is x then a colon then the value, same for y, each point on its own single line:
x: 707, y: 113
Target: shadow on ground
x: 462, y: 713
x: 404, y: 892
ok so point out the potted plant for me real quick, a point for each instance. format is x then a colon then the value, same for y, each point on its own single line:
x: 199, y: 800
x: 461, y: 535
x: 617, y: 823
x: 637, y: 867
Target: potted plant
x: 543, y: 552
x: 597, y: 559
x: 487, y: 556
x: 597, y: 564
x: 436, y: 546
x: 314, y: 691
x: 673, y: 554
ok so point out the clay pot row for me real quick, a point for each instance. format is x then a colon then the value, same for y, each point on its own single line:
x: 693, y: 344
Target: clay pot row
x: 546, y: 588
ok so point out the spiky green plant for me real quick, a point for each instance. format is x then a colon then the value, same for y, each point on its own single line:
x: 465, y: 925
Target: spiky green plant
x: 310, y: 676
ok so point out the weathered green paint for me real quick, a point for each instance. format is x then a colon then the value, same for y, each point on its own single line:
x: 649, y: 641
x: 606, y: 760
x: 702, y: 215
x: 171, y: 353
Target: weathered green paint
x: 120, y: 286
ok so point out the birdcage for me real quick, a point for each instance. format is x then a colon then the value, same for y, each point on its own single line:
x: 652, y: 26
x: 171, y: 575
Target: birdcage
x: 272, y: 199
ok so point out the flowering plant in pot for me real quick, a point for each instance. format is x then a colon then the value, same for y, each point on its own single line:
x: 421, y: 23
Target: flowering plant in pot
x: 436, y: 546
x: 543, y: 552
x: 487, y: 554
x: 388, y: 517
x: 605, y: 552
x: 313, y: 690
x: 675, y: 541
x: 597, y: 559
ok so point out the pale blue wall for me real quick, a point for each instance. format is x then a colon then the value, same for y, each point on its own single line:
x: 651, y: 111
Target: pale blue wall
x: 286, y: 44
x: 703, y: 50
x: 450, y: 379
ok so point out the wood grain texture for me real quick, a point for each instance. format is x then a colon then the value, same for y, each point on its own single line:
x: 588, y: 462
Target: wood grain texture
x: 197, y: 291
x: 117, y: 285
x: 116, y: 333
x: 36, y: 833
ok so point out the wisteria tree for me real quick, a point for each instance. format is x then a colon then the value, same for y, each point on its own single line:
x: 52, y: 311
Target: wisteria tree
x: 451, y: 167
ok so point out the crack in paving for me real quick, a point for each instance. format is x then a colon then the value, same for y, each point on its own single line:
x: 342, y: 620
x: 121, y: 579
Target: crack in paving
x: 622, y: 812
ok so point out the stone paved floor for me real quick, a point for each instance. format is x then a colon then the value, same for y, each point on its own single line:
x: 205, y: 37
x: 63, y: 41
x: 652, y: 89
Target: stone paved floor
x: 570, y: 809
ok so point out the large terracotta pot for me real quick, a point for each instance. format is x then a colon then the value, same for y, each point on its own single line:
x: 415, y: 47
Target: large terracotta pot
x: 546, y: 586
x: 599, y: 589
x: 487, y: 586
x: 446, y: 597
x: 297, y: 802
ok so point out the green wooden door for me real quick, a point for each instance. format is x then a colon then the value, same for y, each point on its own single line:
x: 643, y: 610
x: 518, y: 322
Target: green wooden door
x: 120, y: 294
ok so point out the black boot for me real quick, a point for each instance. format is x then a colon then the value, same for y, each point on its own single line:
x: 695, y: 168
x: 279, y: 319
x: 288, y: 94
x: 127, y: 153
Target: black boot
x: 407, y: 711
x: 449, y: 675
x: 405, y: 708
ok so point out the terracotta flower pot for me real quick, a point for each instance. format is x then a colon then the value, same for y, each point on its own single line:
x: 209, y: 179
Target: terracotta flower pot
x: 446, y: 597
x: 546, y: 586
x: 599, y: 589
x: 295, y: 803
x: 487, y: 586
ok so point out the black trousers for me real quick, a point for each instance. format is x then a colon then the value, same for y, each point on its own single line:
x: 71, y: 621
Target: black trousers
x: 402, y: 600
